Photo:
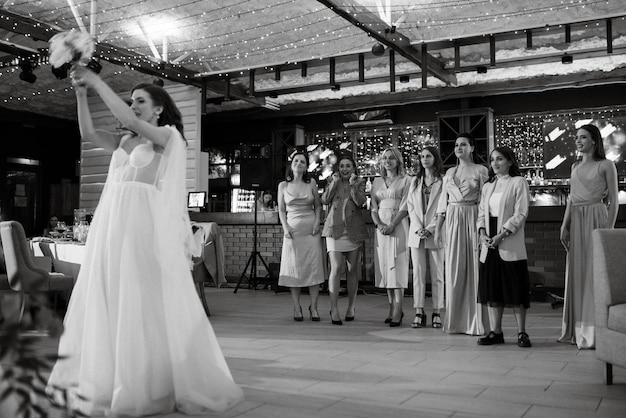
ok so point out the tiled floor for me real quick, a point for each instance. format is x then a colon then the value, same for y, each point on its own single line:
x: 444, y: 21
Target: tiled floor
x: 367, y: 369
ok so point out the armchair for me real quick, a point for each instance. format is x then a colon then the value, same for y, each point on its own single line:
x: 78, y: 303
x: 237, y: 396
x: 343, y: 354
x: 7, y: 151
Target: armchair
x: 609, y: 274
x: 22, y: 273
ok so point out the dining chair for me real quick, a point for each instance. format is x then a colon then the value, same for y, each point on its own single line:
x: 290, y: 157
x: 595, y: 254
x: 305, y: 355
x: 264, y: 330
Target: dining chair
x: 23, y: 274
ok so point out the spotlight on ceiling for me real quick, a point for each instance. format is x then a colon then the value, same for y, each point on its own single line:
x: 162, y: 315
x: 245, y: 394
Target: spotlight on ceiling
x: 27, y: 71
x: 481, y: 69
x: 567, y: 59
x: 61, y: 72
x: 404, y: 78
x: 378, y: 49
x: 335, y: 87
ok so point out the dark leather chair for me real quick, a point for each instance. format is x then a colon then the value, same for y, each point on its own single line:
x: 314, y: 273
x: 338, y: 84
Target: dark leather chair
x: 23, y: 275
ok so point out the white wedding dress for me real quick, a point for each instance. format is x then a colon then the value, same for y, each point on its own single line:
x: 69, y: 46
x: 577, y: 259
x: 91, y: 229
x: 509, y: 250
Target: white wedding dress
x: 136, y: 338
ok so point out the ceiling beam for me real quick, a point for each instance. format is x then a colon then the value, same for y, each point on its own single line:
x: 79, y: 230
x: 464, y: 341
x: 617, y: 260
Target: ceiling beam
x: 18, y: 50
x: 388, y: 36
x: 553, y: 57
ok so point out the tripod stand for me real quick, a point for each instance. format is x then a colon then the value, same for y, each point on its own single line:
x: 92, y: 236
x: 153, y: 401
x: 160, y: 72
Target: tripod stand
x: 252, y: 278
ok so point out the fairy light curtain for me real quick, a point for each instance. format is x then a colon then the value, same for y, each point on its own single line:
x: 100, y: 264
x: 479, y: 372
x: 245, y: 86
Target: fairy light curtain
x: 366, y: 145
x: 545, y: 141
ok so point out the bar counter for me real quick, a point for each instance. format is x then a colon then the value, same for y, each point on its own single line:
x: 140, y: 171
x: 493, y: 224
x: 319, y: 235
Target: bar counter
x: 546, y: 256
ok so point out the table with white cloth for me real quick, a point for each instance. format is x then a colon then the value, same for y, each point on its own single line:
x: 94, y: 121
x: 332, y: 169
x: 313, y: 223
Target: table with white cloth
x: 66, y: 256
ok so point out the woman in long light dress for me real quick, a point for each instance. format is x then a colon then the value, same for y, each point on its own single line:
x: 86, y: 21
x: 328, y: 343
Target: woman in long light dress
x: 458, y: 208
x: 426, y: 253
x: 137, y: 340
x: 302, y: 259
x: 389, y: 214
x: 592, y: 204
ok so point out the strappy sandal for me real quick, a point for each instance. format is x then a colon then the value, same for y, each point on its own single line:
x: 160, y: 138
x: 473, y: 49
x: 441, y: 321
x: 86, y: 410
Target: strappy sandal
x: 436, y: 320
x: 419, y: 321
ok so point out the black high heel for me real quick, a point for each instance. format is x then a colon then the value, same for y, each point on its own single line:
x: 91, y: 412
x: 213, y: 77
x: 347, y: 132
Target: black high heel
x: 333, y: 321
x: 396, y: 324
x: 349, y: 318
x: 313, y: 318
x: 298, y: 318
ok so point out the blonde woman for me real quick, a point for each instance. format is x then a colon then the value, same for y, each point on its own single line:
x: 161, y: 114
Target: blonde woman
x: 389, y: 214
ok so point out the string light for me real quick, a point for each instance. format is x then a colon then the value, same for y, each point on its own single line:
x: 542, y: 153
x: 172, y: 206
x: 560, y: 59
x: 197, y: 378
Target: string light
x: 526, y: 136
x: 367, y: 144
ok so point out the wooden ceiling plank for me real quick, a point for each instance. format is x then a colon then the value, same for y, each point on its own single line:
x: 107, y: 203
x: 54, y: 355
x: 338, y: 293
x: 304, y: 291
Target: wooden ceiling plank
x: 43, y: 32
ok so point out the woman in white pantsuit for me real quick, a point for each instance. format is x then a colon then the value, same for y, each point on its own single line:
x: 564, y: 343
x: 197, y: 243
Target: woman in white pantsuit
x: 425, y: 251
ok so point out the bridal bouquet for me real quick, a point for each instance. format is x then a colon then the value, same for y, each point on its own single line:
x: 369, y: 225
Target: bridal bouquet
x: 71, y: 47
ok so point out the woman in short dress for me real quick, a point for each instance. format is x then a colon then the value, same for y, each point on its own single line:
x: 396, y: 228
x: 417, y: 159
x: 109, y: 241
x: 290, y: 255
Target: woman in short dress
x: 592, y: 204
x: 425, y: 252
x: 302, y: 259
x: 389, y: 212
x: 345, y: 231
x: 502, y: 213
x: 458, y: 208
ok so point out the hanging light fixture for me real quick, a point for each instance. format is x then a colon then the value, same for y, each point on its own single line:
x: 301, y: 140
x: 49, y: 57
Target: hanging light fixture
x: 27, y: 71
x: 378, y: 49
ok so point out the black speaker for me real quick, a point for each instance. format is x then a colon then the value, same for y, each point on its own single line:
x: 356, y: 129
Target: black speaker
x: 255, y: 167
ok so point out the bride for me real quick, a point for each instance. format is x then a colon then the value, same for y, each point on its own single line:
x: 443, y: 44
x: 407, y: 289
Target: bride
x: 136, y: 339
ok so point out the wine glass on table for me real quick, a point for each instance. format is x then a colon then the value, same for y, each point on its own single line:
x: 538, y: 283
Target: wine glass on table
x: 61, y: 228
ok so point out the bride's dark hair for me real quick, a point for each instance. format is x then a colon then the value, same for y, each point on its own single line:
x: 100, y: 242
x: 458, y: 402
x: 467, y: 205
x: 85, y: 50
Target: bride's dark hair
x: 170, y: 114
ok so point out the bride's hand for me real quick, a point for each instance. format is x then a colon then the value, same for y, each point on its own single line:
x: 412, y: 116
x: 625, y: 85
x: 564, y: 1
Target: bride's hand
x: 82, y: 76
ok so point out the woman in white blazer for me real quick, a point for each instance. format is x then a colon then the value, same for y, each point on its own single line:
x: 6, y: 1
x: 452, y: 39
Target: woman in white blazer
x: 425, y: 252
x: 503, y: 271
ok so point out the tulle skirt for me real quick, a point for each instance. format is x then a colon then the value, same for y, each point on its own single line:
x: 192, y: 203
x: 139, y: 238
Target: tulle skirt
x: 136, y: 338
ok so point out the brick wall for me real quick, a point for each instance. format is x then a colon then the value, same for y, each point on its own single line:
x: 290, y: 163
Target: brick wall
x: 546, y: 256
x: 238, y: 245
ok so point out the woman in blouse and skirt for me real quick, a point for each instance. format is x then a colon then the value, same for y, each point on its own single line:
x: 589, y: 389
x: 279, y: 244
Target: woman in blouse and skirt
x: 389, y: 212
x: 458, y: 208
x: 345, y: 231
x: 504, y: 278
